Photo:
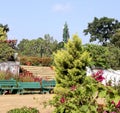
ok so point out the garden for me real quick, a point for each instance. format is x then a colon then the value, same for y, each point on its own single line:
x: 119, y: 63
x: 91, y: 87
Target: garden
x: 75, y: 92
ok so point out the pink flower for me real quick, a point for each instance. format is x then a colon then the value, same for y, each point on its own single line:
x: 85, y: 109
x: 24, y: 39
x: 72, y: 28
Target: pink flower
x: 73, y: 88
x: 104, y: 112
x: 98, y: 76
x: 118, y: 104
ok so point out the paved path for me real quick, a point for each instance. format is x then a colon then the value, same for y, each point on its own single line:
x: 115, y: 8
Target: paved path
x: 8, y: 102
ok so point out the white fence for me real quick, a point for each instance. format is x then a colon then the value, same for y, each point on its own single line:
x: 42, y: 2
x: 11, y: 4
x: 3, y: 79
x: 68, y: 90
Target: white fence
x: 109, y: 75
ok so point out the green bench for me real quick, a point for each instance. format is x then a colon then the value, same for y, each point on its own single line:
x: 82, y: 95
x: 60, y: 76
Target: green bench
x: 48, y: 86
x: 9, y: 86
x: 29, y: 87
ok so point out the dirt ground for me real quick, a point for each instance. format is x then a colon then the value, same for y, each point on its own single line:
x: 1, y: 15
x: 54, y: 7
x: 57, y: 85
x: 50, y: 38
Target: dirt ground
x: 8, y: 102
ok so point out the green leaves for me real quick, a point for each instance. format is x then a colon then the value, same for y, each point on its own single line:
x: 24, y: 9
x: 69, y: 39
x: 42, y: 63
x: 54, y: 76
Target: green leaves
x: 75, y: 92
x: 102, y: 29
x: 5, y: 51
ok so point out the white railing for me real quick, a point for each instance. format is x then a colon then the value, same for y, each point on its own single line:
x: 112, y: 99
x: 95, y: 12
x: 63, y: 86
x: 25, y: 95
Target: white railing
x: 109, y: 75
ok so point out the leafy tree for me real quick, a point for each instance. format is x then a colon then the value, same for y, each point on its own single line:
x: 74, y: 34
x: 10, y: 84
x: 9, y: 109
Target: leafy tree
x: 99, y: 55
x: 65, y: 33
x: 6, y: 52
x: 115, y: 39
x: 41, y: 47
x: 23, y: 47
x: 50, y: 45
x: 102, y: 29
x: 114, y: 57
x: 3, y: 31
x: 104, y: 57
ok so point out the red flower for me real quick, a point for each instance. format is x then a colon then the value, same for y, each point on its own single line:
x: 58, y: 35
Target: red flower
x: 118, y: 104
x: 98, y: 76
x: 62, y: 100
x: 113, y: 102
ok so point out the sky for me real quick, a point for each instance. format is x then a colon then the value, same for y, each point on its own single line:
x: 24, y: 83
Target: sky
x: 30, y: 19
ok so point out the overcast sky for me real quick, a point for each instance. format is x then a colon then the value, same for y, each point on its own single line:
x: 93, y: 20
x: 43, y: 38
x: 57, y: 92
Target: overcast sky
x: 30, y: 19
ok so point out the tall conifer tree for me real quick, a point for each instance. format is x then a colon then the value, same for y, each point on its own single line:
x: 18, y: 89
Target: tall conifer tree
x: 65, y: 33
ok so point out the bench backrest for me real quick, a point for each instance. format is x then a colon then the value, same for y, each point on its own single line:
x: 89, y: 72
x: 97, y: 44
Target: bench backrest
x: 29, y: 85
x: 50, y: 83
x: 8, y: 83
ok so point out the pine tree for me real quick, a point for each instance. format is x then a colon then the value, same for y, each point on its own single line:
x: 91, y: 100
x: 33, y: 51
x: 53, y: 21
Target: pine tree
x: 70, y: 68
x: 65, y: 33
x: 71, y: 63
x: 75, y: 92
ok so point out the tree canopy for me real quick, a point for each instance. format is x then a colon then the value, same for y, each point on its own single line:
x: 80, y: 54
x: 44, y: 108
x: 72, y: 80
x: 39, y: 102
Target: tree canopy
x: 6, y: 52
x: 115, y: 39
x: 102, y: 29
x: 40, y: 47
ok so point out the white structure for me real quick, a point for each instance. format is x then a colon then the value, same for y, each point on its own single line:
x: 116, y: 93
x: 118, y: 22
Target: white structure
x: 109, y: 75
x: 13, y: 67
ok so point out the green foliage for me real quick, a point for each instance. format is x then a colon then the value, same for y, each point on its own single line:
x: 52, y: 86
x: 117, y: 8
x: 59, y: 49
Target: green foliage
x: 71, y: 62
x: 5, y: 75
x: 65, y: 33
x: 114, y: 57
x: 75, y: 92
x: 115, y: 39
x: 36, y: 61
x: 105, y: 57
x: 24, y: 76
x: 24, y: 110
x: 102, y: 29
x: 5, y: 51
x: 41, y: 47
x: 3, y: 32
x: 99, y: 55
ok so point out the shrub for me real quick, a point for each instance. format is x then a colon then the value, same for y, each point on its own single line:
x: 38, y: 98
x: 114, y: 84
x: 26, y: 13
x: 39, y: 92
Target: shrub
x: 6, y: 75
x: 75, y: 92
x: 26, y: 76
x: 35, y: 61
x: 24, y: 110
x: 2, y: 75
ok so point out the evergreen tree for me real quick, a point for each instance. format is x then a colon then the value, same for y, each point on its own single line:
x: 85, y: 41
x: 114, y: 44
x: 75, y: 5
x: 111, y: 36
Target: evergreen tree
x: 75, y: 92
x: 71, y: 63
x: 65, y: 33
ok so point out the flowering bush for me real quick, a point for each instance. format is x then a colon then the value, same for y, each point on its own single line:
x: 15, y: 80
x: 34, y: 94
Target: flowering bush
x: 6, y: 75
x: 27, y: 76
x: 35, y: 61
x: 75, y: 92
x: 110, y: 107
